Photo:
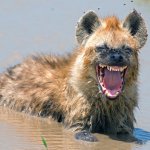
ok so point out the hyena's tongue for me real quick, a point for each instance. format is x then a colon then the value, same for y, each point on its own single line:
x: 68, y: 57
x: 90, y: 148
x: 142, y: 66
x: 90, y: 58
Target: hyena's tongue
x: 112, y: 82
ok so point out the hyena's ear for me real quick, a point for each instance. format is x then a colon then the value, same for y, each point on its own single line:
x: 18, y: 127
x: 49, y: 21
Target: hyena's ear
x: 86, y: 26
x: 136, y: 25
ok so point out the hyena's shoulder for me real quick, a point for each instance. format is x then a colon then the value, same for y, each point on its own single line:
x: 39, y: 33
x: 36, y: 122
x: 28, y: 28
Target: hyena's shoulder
x: 34, y: 85
x: 37, y: 65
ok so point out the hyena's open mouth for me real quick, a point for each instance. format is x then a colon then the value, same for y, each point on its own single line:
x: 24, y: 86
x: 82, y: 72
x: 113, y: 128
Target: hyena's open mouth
x: 111, y: 79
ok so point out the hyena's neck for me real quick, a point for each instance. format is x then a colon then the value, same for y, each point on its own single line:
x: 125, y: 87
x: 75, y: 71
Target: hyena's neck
x: 80, y: 79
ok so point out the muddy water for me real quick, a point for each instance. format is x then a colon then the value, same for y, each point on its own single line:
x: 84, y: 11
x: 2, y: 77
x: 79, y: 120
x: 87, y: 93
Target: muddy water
x: 28, y: 27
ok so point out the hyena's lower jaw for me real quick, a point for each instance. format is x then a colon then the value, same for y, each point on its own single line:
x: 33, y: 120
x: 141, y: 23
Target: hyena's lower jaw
x: 111, y: 79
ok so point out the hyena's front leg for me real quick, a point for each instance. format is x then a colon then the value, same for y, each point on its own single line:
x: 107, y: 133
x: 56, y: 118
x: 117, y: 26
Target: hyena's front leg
x: 126, y: 126
x: 78, y: 118
x: 125, y: 133
x: 83, y: 131
x: 85, y: 136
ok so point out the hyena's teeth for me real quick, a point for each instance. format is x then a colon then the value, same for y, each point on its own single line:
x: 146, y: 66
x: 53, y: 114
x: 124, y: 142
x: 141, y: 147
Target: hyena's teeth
x: 115, y: 68
x: 108, y: 94
x: 101, y: 73
x: 109, y: 68
x: 122, y: 74
x: 101, y: 79
x: 116, y: 93
x: 102, y: 66
x: 122, y: 68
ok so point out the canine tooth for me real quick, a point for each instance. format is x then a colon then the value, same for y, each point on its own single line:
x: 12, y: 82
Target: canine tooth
x: 121, y: 69
x: 124, y: 67
x: 116, y: 94
x: 106, y: 92
x: 101, y: 74
x: 101, y: 80
x: 112, y: 69
x: 102, y: 66
x: 108, y: 68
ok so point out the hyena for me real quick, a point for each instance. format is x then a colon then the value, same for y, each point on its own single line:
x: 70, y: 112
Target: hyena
x: 94, y: 89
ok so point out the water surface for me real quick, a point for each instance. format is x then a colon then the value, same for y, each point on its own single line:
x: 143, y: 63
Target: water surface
x: 48, y: 26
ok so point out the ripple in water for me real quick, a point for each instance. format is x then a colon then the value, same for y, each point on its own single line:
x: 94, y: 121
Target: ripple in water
x: 142, y: 135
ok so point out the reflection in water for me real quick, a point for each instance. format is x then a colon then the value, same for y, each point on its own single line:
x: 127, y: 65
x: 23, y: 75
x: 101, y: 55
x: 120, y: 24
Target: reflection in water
x: 20, y: 131
x: 142, y: 135
x: 25, y: 132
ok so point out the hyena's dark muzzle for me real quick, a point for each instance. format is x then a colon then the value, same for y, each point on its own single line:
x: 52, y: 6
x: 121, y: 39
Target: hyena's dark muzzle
x: 116, y: 59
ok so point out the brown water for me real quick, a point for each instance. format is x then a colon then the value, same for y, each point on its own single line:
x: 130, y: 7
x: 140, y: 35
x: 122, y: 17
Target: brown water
x: 30, y: 26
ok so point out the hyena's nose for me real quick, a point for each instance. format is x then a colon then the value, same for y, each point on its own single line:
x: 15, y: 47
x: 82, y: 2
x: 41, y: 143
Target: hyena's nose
x: 116, y: 57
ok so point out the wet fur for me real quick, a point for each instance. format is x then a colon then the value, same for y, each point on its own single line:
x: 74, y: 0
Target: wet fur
x: 65, y: 88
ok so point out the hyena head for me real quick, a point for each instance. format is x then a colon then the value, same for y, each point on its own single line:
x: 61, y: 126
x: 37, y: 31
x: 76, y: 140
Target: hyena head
x: 108, y: 55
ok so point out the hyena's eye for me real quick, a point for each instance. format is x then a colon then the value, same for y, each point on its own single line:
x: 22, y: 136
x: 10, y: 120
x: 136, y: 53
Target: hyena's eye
x: 128, y: 50
x: 102, y: 48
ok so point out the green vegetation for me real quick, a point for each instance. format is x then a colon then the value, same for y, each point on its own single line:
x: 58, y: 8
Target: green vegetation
x: 44, y: 142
